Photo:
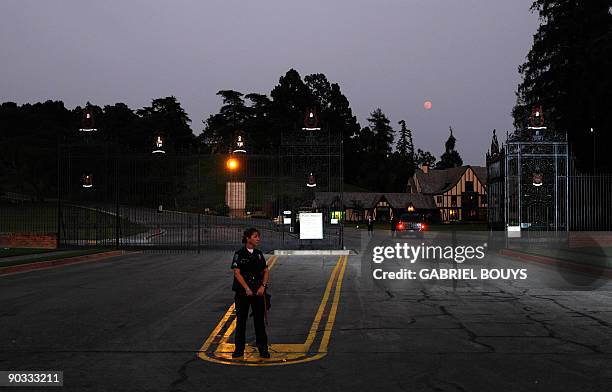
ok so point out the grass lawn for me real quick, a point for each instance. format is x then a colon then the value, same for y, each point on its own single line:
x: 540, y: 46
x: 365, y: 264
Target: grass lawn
x: 79, y: 252
x: 8, y: 252
x: 78, y: 223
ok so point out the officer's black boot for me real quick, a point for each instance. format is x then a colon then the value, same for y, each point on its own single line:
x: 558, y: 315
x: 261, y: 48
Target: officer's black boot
x: 263, y: 352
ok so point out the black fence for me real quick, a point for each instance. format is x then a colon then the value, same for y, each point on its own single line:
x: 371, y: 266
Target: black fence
x: 590, y: 203
x: 194, y: 202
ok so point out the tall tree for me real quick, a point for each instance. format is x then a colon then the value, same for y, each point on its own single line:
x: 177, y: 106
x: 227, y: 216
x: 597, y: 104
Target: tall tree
x: 405, y: 145
x: 375, y: 166
x: 166, y: 115
x: 383, y: 132
x: 424, y: 158
x: 221, y: 129
x: 451, y: 157
x: 567, y: 72
x: 121, y: 124
x: 404, y: 156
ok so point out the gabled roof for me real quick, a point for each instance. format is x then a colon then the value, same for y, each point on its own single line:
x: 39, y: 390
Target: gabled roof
x: 370, y: 199
x: 402, y: 200
x: 440, y: 181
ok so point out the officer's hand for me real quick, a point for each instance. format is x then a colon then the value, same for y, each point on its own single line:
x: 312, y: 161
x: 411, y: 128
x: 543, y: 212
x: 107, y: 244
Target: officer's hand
x: 249, y: 293
x: 260, y: 290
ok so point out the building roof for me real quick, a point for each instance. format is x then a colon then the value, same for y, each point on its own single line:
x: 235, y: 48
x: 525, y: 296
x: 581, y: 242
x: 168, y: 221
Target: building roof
x: 370, y: 199
x: 439, y: 181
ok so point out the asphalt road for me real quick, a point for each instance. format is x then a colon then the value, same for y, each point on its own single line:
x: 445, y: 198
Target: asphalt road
x: 137, y: 323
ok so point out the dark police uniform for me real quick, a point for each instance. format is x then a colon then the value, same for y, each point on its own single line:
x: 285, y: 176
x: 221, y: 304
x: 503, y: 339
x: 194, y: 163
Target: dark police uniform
x: 252, y: 266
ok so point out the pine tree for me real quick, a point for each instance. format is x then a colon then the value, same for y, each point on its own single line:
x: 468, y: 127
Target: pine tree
x: 424, y: 158
x: 404, y: 157
x: 383, y: 133
x: 567, y: 72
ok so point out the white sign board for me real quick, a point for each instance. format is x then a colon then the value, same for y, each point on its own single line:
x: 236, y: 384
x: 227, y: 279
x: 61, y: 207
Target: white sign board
x: 514, y: 231
x: 287, y: 221
x: 311, y: 225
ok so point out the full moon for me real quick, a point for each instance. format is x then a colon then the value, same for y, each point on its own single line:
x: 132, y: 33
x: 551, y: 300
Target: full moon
x: 427, y: 105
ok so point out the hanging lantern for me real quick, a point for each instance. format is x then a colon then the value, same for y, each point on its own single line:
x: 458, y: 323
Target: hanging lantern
x: 311, y: 120
x: 311, y: 182
x: 239, y: 147
x: 410, y: 207
x: 87, y: 121
x: 536, y: 119
x: 159, y: 145
x: 87, y: 180
x: 537, y: 179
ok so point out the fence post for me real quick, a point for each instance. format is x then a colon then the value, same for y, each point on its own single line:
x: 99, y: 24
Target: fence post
x: 59, y: 199
x: 117, y: 223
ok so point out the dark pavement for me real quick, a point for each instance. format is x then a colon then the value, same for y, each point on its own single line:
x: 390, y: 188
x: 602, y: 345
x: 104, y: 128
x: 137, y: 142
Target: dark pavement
x: 136, y: 323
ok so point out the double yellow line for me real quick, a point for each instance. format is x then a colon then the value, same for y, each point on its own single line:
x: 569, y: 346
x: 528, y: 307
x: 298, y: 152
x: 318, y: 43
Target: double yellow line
x: 282, y: 353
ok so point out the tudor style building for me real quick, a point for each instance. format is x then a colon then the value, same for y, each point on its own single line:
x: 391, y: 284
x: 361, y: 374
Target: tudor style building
x: 382, y: 207
x: 459, y: 193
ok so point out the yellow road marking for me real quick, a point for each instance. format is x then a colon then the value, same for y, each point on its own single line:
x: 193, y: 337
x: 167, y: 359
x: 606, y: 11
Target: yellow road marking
x: 332, y: 313
x: 228, y: 314
x: 315, y: 324
x: 282, y: 353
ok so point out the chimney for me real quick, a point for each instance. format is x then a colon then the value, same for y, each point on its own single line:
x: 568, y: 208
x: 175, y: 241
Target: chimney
x: 425, y: 168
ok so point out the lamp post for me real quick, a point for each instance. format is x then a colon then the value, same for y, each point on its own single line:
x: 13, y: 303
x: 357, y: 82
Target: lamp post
x: 594, y: 151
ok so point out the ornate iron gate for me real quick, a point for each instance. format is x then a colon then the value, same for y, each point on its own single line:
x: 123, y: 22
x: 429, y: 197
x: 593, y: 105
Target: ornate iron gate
x: 192, y: 202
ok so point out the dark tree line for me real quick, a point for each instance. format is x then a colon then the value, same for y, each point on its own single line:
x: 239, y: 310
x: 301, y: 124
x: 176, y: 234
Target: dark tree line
x: 568, y: 73
x: 30, y: 133
x: 373, y: 160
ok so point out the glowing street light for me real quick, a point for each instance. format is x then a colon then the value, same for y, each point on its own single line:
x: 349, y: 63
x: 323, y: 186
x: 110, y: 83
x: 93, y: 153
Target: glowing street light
x: 232, y: 164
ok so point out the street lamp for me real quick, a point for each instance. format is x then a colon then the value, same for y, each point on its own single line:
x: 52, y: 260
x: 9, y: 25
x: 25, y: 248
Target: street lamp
x: 232, y: 164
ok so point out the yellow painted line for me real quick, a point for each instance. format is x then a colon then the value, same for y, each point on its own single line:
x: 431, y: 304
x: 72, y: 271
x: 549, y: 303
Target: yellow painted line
x: 315, y: 324
x: 232, y: 326
x: 334, y: 308
x: 217, y: 329
x: 227, y: 316
x: 282, y: 353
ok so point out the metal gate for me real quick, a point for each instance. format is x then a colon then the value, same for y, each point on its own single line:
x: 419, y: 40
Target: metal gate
x: 536, y: 185
x: 108, y: 198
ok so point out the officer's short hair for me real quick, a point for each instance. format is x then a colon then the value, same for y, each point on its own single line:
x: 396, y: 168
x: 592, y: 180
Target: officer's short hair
x: 248, y: 233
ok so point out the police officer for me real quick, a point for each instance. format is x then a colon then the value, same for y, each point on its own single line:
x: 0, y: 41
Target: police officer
x: 250, y: 282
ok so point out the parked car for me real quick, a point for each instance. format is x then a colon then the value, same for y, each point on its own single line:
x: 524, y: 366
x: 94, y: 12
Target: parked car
x: 411, y: 224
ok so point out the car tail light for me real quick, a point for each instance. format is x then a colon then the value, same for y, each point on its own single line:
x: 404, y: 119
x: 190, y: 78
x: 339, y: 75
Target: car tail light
x: 422, y: 226
x: 400, y: 226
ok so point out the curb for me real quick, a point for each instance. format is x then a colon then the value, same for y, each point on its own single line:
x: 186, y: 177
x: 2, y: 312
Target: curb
x: 322, y: 252
x: 59, y: 262
x: 588, y: 269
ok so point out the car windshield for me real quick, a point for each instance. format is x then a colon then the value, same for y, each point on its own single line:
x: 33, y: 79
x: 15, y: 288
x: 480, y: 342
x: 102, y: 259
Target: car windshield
x: 410, y: 217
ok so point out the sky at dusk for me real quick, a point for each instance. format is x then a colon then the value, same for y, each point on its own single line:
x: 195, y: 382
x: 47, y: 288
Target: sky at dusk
x: 392, y: 54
